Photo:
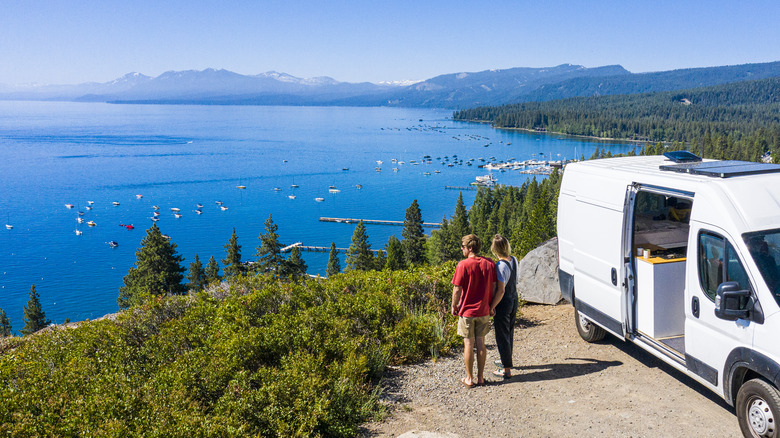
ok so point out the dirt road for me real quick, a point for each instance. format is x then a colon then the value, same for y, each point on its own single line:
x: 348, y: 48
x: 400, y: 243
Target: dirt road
x: 563, y: 387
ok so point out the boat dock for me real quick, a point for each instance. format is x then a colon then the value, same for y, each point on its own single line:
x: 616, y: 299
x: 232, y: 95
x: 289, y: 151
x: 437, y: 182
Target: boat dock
x: 460, y: 188
x: 345, y: 220
x: 303, y: 247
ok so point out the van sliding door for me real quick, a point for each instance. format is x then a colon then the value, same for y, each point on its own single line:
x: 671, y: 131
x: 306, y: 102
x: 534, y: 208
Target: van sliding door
x: 627, y: 298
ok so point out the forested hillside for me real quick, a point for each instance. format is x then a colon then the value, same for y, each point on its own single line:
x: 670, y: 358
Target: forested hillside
x: 740, y: 120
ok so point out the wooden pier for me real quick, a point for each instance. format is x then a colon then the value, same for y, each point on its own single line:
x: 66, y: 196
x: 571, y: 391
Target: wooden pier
x: 302, y: 247
x: 345, y: 220
x: 461, y: 187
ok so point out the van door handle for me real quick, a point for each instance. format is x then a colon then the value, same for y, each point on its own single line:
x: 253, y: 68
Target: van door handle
x: 614, y: 277
x: 695, y: 306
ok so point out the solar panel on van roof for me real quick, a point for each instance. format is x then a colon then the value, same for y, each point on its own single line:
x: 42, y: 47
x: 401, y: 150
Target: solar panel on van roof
x: 722, y: 169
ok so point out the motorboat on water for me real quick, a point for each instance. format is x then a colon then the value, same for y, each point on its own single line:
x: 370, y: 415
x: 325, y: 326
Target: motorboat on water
x: 241, y: 187
x: 139, y: 196
x: 91, y: 223
x: 291, y: 196
x: 359, y: 186
x: 219, y: 202
x: 90, y: 202
x: 277, y: 189
x: 155, y: 218
x: 80, y: 220
x: 9, y: 227
x: 175, y: 209
x: 199, y: 205
x: 115, y: 203
x: 198, y: 211
x: 156, y: 207
x: 319, y: 199
x: 113, y: 243
x: 130, y: 227
x: 222, y: 207
x: 69, y: 205
x: 177, y: 215
x: 79, y: 232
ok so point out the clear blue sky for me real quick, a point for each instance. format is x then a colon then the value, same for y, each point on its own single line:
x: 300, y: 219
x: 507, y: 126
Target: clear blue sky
x: 73, y: 41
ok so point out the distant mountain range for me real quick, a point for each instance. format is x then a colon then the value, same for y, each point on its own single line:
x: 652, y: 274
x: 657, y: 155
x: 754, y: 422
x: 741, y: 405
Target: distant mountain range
x: 455, y: 91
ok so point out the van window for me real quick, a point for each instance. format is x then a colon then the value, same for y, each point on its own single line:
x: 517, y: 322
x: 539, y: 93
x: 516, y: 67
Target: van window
x: 718, y: 263
x: 764, y: 247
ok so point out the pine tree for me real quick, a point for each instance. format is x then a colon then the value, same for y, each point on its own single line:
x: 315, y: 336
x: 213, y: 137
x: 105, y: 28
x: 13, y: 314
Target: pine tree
x: 296, y: 265
x: 157, y: 270
x: 459, y: 225
x: 395, y: 255
x: 34, y: 316
x: 359, y: 256
x: 380, y: 259
x: 414, y: 237
x: 196, y: 275
x: 5, y: 325
x: 334, y: 267
x: 212, y: 271
x: 232, y: 260
x: 269, y: 253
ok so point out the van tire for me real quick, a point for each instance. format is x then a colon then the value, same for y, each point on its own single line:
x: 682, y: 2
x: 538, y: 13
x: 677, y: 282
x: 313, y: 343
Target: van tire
x: 758, y: 409
x: 588, y: 331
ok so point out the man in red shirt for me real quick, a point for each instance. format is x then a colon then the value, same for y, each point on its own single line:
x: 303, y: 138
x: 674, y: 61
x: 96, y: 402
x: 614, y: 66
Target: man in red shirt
x: 475, y: 284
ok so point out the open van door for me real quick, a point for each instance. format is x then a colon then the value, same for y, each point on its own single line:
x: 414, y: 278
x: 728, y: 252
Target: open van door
x: 627, y: 298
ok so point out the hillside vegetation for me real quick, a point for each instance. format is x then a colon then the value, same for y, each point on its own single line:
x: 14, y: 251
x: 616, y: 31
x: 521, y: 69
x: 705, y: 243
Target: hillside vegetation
x: 739, y: 121
x: 254, y: 357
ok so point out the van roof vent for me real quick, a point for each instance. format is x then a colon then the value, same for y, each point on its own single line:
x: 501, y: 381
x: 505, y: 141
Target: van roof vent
x: 682, y: 156
x: 722, y: 169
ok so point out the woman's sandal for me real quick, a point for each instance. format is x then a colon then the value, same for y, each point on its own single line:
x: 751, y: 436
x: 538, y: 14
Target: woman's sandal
x: 501, y: 373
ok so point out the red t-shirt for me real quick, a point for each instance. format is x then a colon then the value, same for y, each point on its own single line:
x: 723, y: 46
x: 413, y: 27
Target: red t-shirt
x: 476, y: 275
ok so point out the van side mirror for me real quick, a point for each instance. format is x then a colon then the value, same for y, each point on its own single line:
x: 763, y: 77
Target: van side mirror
x: 730, y: 300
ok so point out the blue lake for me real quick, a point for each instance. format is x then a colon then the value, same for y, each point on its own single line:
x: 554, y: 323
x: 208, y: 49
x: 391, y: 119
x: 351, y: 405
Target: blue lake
x: 58, y: 153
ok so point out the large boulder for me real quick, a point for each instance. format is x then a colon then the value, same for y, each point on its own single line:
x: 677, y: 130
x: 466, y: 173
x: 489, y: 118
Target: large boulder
x: 537, y: 275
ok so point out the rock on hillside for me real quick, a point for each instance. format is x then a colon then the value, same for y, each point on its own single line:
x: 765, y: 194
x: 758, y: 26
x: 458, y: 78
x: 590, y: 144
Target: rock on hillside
x: 537, y: 275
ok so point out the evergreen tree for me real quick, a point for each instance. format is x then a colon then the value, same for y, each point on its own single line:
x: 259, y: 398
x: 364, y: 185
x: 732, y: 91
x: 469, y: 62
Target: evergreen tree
x: 439, y: 247
x: 459, y: 225
x: 212, y: 271
x: 34, y: 316
x: 232, y: 260
x: 395, y: 255
x: 5, y: 325
x: 334, y: 267
x: 296, y: 266
x: 359, y: 256
x: 157, y: 270
x: 269, y: 253
x: 196, y: 275
x: 379, y: 260
x: 414, y: 237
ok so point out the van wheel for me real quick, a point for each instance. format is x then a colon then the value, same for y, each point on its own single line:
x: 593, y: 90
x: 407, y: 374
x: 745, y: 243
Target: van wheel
x: 587, y: 330
x: 758, y: 409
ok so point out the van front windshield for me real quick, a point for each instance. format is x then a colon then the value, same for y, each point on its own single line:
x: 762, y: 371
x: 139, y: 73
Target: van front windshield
x: 765, y: 249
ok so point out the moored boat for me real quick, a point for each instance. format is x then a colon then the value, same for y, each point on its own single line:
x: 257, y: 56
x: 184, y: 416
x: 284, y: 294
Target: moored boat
x: 319, y: 199
x: 91, y: 223
x: 69, y: 205
x: 113, y: 243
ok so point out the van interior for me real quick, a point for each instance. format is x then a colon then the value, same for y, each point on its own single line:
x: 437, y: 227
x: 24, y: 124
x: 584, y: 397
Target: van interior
x: 660, y: 239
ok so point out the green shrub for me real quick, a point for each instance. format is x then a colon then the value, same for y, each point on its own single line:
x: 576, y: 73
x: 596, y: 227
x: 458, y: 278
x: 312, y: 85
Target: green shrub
x: 258, y: 357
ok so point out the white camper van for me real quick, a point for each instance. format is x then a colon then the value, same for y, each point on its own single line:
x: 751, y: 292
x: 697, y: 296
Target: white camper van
x: 680, y: 256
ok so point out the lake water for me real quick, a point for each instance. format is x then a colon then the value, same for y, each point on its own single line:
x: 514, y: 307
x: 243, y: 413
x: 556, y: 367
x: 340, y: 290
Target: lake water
x: 179, y: 156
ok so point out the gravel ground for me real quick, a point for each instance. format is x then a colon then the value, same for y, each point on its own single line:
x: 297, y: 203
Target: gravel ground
x: 562, y: 387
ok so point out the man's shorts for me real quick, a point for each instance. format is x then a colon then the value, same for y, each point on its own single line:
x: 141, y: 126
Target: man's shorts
x: 473, y: 327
